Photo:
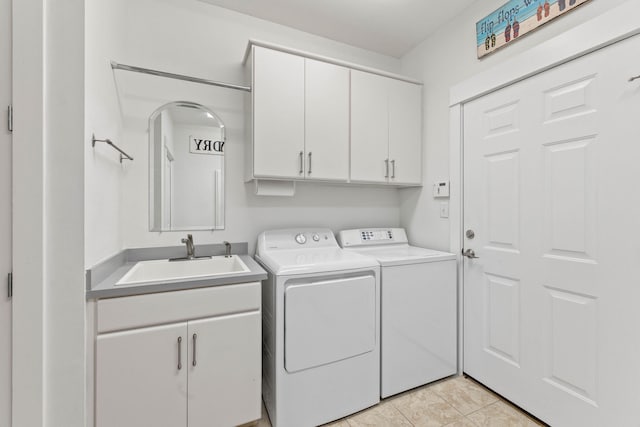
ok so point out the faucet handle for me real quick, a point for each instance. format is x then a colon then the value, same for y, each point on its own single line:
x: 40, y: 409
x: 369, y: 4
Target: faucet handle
x: 191, y: 249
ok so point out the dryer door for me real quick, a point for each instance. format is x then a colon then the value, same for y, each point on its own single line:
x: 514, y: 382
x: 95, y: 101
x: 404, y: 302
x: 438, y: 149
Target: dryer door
x: 328, y: 320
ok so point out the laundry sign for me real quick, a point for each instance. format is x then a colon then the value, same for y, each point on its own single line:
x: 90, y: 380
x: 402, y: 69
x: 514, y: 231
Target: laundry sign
x: 199, y: 145
x: 517, y: 18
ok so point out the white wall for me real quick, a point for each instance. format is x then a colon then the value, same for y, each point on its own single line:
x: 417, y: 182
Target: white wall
x: 191, y: 37
x: 64, y: 144
x: 104, y: 39
x: 441, y: 61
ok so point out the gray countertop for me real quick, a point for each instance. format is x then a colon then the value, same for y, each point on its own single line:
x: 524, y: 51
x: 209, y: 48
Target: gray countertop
x: 102, y: 278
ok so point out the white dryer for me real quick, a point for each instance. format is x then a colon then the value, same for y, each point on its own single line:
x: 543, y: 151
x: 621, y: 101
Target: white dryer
x: 320, y: 321
x: 418, y: 308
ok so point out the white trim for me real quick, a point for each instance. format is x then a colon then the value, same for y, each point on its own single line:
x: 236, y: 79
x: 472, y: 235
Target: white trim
x: 597, y: 33
x: 48, y: 212
x: 327, y: 59
x: 456, y: 212
x: 611, y: 27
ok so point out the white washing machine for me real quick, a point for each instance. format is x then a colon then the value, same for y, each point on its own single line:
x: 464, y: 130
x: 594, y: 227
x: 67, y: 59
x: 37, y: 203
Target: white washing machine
x: 320, y: 322
x: 418, y: 308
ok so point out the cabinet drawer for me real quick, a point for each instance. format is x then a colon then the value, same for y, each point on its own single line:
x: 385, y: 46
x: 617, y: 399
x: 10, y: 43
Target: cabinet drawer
x: 145, y: 310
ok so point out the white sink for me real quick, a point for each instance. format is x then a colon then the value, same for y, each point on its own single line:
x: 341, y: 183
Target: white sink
x: 145, y: 272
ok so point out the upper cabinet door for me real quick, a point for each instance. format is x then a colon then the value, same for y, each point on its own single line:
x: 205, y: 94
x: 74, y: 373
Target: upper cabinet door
x: 326, y: 121
x: 369, y: 127
x: 278, y: 119
x: 405, y: 132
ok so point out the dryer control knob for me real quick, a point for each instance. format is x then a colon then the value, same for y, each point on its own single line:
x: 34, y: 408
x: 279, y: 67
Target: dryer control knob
x: 316, y: 238
x: 301, y: 238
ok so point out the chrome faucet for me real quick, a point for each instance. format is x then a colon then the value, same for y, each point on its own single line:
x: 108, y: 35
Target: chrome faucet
x: 191, y: 248
x: 227, y: 247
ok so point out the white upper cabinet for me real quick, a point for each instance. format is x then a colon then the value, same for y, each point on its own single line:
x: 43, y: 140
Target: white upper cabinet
x: 300, y: 118
x: 386, y: 128
x: 326, y: 121
x: 369, y: 127
x: 405, y: 133
x: 278, y: 114
x: 314, y: 118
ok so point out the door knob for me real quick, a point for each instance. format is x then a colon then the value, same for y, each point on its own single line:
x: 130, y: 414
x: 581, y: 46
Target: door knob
x: 469, y: 253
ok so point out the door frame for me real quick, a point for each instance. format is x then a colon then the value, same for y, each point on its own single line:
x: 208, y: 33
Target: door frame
x: 49, y: 143
x: 6, y: 301
x: 597, y: 33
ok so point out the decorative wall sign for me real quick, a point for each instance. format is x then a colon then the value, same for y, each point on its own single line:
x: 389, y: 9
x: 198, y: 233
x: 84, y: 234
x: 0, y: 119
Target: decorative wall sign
x: 205, y: 146
x: 515, y: 19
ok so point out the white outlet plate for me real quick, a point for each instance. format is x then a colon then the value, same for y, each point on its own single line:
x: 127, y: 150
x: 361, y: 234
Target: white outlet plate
x: 444, y: 210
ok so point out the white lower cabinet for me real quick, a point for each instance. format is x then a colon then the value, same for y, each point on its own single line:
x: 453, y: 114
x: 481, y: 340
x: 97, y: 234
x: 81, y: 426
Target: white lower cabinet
x: 194, y: 373
x: 224, y: 378
x: 138, y: 380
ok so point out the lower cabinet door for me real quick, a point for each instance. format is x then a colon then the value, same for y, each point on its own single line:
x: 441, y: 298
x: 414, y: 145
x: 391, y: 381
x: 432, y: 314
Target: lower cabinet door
x: 224, y: 370
x: 141, y: 377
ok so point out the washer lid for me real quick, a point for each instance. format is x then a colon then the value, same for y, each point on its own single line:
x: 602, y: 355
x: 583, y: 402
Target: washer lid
x: 321, y: 260
x: 403, y: 254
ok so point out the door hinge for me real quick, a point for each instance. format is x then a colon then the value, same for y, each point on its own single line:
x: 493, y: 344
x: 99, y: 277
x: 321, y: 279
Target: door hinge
x: 10, y: 118
x: 10, y: 285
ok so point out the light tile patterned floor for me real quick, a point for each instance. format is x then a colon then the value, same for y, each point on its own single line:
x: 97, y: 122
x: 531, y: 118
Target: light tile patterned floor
x: 455, y: 402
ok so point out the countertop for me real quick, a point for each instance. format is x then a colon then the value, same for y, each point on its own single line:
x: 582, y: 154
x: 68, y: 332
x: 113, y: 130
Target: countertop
x: 107, y: 274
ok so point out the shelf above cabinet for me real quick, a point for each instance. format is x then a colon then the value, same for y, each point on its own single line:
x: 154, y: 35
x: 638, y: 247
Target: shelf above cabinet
x: 322, y: 58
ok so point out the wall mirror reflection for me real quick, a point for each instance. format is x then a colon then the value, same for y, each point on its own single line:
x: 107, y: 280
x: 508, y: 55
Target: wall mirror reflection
x: 186, y: 168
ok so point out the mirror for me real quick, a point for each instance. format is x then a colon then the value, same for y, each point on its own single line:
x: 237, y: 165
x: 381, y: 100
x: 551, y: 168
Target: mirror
x: 186, y: 168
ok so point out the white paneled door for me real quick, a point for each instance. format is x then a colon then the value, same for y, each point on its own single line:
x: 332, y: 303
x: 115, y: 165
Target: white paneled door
x: 551, y: 206
x: 5, y: 214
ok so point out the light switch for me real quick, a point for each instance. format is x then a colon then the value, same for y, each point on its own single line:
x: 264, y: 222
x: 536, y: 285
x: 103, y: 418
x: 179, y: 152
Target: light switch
x: 444, y: 210
x: 441, y: 189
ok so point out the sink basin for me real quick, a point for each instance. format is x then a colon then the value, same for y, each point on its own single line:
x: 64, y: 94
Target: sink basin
x: 145, y: 272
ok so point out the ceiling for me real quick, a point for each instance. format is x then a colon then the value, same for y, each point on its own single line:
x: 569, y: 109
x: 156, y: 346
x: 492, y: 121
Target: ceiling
x: 390, y: 27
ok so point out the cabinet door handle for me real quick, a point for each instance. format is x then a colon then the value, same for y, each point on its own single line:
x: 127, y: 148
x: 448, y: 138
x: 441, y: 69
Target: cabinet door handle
x: 301, y: 163
x: 393, y: 168
x: 386, y: 162
x: 179, y: 353
x: 310, y: 153
x: 194, y: 348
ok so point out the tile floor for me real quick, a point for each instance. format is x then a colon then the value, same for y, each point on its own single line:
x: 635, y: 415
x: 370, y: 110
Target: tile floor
x: 455, y: 402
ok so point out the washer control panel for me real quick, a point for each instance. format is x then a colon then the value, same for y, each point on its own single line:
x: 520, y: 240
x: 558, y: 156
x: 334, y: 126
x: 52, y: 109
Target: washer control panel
x: 372, y: 236
x: 376, y: 235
